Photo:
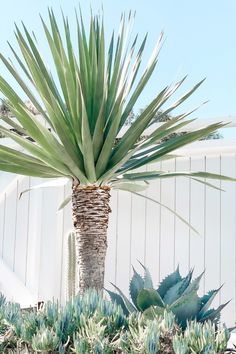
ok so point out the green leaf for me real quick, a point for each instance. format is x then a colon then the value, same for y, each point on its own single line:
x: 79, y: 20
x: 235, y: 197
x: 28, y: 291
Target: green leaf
x: 153, y: 312
x: 194, y: 285
x: 168, y: 282
x: 177, y: 289
x: 55, y: 183
x: 173, y: 144
x: 136, y: 284
x: 147, y: 298
x: 26, y: 171
x: 186, y: 307
x: 127, y: 303
x: 213, y: 314
x: 118, y: 300
x: 143, y: 81
x: 129, y: 187
x: 148, y: 284
x: 65, y: 202
x: 38, y: 152
x: 14, y: 158
x: 207, y: 300
x: 23, y: 85
x: 136, y: 129
x: 167, y: 208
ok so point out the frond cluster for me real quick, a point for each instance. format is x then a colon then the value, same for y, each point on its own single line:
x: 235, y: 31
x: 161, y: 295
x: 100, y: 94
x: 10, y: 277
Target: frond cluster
x: 85, y: 104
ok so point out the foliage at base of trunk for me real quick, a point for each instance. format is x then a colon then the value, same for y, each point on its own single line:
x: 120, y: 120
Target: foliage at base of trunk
x: 89, y: 324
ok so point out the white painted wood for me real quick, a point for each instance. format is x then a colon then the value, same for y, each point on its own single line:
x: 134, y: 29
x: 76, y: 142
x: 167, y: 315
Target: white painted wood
x: 212, y: 230
x: 8, y: 246
x: 21, y: 234
x: 138, y: 234
x: 66, y: 218
x: 2, y: 221
x: 111, y: 260
x: 197, y: 220
x: 152, y: 228
x: 50, y: 248
x: 228, y: 240
x: 34, y: 226
x: 167, y: 224
x: 182, y: 231
x: 123, y: 242
x: 13, y: 288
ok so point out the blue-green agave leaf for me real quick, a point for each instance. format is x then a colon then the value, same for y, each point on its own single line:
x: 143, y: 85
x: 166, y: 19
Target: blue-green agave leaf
x: 178, y: 289
x: 168, y: 282
x: 186, y: 308
x: 194, y: 286
x: 136, y: 284
x: 128, y: 304
x: 154, y: 311
x: 118, y: 300
x: 147, y: 298
x: 206, y: 301
x: 213, y: 314
x: 148, y: 284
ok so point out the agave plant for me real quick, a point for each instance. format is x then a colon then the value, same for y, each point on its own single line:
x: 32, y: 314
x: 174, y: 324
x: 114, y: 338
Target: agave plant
x: 83, y: 103
x: 175, y: 293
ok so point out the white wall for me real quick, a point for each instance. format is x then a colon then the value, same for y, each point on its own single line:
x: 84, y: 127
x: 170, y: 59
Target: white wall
x: 33, y: 233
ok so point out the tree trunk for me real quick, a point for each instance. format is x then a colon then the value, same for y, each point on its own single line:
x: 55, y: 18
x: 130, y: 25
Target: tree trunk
x: 90, y: 216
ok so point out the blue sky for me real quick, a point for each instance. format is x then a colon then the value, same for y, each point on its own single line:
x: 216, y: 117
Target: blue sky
x: 200, y: 40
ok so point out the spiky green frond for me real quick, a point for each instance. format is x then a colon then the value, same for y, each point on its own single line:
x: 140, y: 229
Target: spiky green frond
x: 84, y: 101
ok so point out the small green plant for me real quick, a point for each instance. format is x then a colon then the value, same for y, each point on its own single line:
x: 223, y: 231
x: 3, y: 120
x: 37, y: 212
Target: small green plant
x: 201, y: 338
x: 175, y: 293
x: 71, y: 266
x: 90, y: 324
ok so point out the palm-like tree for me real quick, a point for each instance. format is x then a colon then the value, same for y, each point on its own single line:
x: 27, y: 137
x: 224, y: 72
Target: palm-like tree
x: 84, y: 104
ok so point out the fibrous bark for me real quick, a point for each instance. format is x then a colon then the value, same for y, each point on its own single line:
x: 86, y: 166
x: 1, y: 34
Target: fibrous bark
x: 90, y: 216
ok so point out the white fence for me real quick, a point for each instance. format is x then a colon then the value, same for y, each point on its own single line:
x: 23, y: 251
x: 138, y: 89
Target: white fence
x: 33, y: 233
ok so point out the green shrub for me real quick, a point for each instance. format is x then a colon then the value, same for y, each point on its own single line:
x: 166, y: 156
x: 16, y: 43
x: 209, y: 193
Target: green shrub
x: 175, y: 293
x: 90, y: 324
x: 198, y: 338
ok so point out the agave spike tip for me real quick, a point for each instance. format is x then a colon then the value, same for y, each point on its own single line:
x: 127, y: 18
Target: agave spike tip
x: 200, y: 276
x: 144, y: 267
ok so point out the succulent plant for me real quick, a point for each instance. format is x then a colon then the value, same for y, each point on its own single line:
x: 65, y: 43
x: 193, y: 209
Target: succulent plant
x: 201, y: 338
x: 175, y: 293
x: 89, y: 324
x: 71, y: 266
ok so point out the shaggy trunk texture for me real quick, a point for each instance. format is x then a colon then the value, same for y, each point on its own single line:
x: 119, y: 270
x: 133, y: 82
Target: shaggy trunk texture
x: 91, y: 210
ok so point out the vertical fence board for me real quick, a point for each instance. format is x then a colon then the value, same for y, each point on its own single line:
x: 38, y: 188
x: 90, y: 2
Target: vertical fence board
x: 227, y: 262
x: 34, y: 237
x: 182, y: 238
x: 50, y: 254
x: 21, y: 237
x: 10, y: 225
x: 122, y: 241
x: 212, y: 229
x: 167, y: 225
x: 2, y: 221
x: 152, y: 227
x: 66, y: 216
x: 197, y: 220
x: 110, y: 267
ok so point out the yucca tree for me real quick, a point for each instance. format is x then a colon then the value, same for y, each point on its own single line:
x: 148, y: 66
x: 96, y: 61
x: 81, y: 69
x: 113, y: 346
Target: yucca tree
x: 83, y: 103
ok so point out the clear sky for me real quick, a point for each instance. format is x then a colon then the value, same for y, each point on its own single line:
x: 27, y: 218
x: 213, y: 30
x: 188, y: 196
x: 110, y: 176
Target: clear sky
x: 200, y: 40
